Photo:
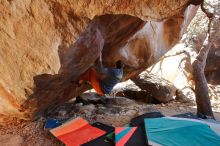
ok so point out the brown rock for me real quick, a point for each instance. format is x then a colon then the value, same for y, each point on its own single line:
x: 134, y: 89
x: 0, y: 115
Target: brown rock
x: 181, y: 97
x: 212, y: 69
x: 158, y: 88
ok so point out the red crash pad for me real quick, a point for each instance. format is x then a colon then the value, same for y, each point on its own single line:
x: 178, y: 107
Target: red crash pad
x: 76, y: 132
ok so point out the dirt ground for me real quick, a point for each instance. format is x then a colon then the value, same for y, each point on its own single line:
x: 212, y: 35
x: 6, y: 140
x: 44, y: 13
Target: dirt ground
x: 117, y: 111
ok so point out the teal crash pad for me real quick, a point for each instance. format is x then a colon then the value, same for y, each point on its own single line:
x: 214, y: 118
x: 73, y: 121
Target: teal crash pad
x: 173, y: 132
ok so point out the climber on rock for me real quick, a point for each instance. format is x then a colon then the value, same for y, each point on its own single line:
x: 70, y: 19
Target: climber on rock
x: 103, y: 79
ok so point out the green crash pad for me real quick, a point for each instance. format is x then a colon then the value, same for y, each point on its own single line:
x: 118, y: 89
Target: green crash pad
x: 173, y: 132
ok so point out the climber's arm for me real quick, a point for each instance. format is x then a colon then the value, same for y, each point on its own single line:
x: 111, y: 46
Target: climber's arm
x: 101, y: 70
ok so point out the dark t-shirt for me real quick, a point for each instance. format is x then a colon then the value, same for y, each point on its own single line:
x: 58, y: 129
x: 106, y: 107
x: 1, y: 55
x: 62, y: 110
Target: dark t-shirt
x: 114, y: 76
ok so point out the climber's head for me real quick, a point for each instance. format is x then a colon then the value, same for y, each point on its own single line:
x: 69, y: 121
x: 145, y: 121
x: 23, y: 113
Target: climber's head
x: 119, y: 64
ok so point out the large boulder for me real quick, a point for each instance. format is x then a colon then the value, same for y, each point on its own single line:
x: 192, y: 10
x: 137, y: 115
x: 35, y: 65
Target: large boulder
x: 148, y: 92
x: 37, y: 37
x: 156, y: 87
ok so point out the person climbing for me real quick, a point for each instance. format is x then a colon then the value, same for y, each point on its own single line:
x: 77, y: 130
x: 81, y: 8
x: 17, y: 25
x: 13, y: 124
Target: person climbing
x: 103, y: 79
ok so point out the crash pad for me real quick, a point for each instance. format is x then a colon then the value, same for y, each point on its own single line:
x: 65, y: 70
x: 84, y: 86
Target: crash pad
x: 53, y: 123
x: 139, y: 120
x: 139, y: 137
x: 174, y: 132
x: 103, y: 140
x: 123, y: 134
x: 76, y: 132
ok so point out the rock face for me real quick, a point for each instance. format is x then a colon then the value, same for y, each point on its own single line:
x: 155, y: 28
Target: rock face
x: 29, y: 44
x: 212, y: 69
x: 180, y: 74
x: 37, y: 38
x: 158, y: 9
x: 151, y: 42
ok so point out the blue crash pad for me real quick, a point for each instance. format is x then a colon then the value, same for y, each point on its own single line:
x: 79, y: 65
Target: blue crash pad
x: 173, y: 132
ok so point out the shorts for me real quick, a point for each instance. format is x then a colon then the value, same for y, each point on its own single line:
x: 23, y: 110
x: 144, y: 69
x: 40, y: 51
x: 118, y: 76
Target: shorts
x: 91, y: 75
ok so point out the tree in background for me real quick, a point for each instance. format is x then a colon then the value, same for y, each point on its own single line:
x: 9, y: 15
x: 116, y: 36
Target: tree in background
x: 212, y: 9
